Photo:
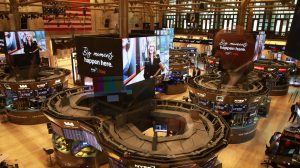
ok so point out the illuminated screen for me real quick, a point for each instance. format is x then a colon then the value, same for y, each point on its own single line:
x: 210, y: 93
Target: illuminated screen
x: 24, y: 41
x: 259, y: 45
x: 144, y: 58
x: 234, y: 50
x: 160, y: 128
x: 2, y: 44
x: 80, y: 135
x: 98, y: 56
x: 107, y: 84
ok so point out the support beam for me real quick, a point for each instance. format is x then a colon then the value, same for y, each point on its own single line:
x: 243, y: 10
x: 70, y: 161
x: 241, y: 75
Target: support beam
x: 14, y: 9
x: 250, y: 20
x: 241, y: 15
x: 151, y: 16
x: 123, y: 18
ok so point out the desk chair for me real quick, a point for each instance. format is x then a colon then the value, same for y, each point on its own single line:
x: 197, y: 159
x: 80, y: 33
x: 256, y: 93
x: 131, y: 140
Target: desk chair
x: 267, y: 161
x: 49, y: 152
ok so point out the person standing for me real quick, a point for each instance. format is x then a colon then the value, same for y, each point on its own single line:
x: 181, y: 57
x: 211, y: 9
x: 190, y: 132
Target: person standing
x: 294, y: 109
x: 152, y: 64
x: 31, y: 50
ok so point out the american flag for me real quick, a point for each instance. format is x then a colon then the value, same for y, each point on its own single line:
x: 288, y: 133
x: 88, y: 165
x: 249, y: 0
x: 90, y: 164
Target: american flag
x: 65, y: 16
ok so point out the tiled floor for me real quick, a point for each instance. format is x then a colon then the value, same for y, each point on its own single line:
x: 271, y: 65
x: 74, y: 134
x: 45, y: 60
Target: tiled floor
x: 24, y: 143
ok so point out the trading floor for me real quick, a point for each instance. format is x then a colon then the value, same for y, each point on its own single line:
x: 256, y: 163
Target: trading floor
x: 24, y: 143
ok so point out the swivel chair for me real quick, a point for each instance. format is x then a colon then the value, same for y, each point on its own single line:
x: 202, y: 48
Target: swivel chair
x: 49, y: 152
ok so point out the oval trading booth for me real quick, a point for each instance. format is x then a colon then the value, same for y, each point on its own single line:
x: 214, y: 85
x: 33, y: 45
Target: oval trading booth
x: 24, y: 83
x: 24, y: 97
x: 174, y: 81
x: 281, y: 69
x: 234, y: 91
x: 118, y: 122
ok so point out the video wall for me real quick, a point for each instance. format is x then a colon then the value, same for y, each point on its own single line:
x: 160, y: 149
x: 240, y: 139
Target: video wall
x: 144, y: 58
x: 167, y: 32
x: 22, y: 41
x: 259, y: 45
x: 98, y: 56
x: 22, y: 48
x: 2, y: 43
x: 131, y: 59
x: 235, y: 50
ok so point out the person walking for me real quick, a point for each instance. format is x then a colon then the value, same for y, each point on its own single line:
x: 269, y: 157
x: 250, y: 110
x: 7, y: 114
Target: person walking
x: 294, y: 109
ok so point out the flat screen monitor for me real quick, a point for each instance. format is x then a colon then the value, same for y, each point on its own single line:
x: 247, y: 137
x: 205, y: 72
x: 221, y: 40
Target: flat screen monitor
x: 2, y: 43
x: 113, y: 98
x: 144, y: 58
x: 17, y: 43
x: 160, y: 128
x: 88, y: 81
x: 259, y: 45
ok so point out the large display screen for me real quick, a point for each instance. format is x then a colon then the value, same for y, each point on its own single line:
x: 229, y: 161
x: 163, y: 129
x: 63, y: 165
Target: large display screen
x: 293, y: 45
x: 98, y: 56
x: 169, y: 32
x: 235, y: 50
x: 259, y: 45
x: 2, y: 43
x: 144, y: 58
x: 22, y: 42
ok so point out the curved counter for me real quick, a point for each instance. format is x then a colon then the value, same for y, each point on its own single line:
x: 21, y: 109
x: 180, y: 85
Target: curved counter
x: 27, y: 95
x: 121, y: 138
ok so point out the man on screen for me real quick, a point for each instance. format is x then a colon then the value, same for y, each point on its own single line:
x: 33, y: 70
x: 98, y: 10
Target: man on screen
x: 31, y: 50
x: 152, y: 63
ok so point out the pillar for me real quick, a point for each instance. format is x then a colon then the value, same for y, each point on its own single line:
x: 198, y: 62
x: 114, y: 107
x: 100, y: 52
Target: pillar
x: 15, y: 15
x: 241, y: 15
x: 123, y: 18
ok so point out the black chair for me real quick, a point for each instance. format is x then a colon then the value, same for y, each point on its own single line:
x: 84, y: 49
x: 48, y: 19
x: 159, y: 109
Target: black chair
x: 267, y: 161
x: 49, y: 152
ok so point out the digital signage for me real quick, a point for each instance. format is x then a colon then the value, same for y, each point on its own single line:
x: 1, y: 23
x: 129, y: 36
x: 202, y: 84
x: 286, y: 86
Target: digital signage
x: 144, y: 58
x: 23, y: 47
x: 129, y: 60
x: 2, y: 43
x: 235, y: 50
x: 293, y: 45
x: 259, y: 45
x: 169, y: 32
x: 98, y: 56
x: 21, y: 42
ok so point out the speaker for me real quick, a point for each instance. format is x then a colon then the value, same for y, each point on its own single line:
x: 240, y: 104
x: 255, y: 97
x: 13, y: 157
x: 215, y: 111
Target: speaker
x: 106, y: 23
x: 293, y: 46
x: 24, y: 24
